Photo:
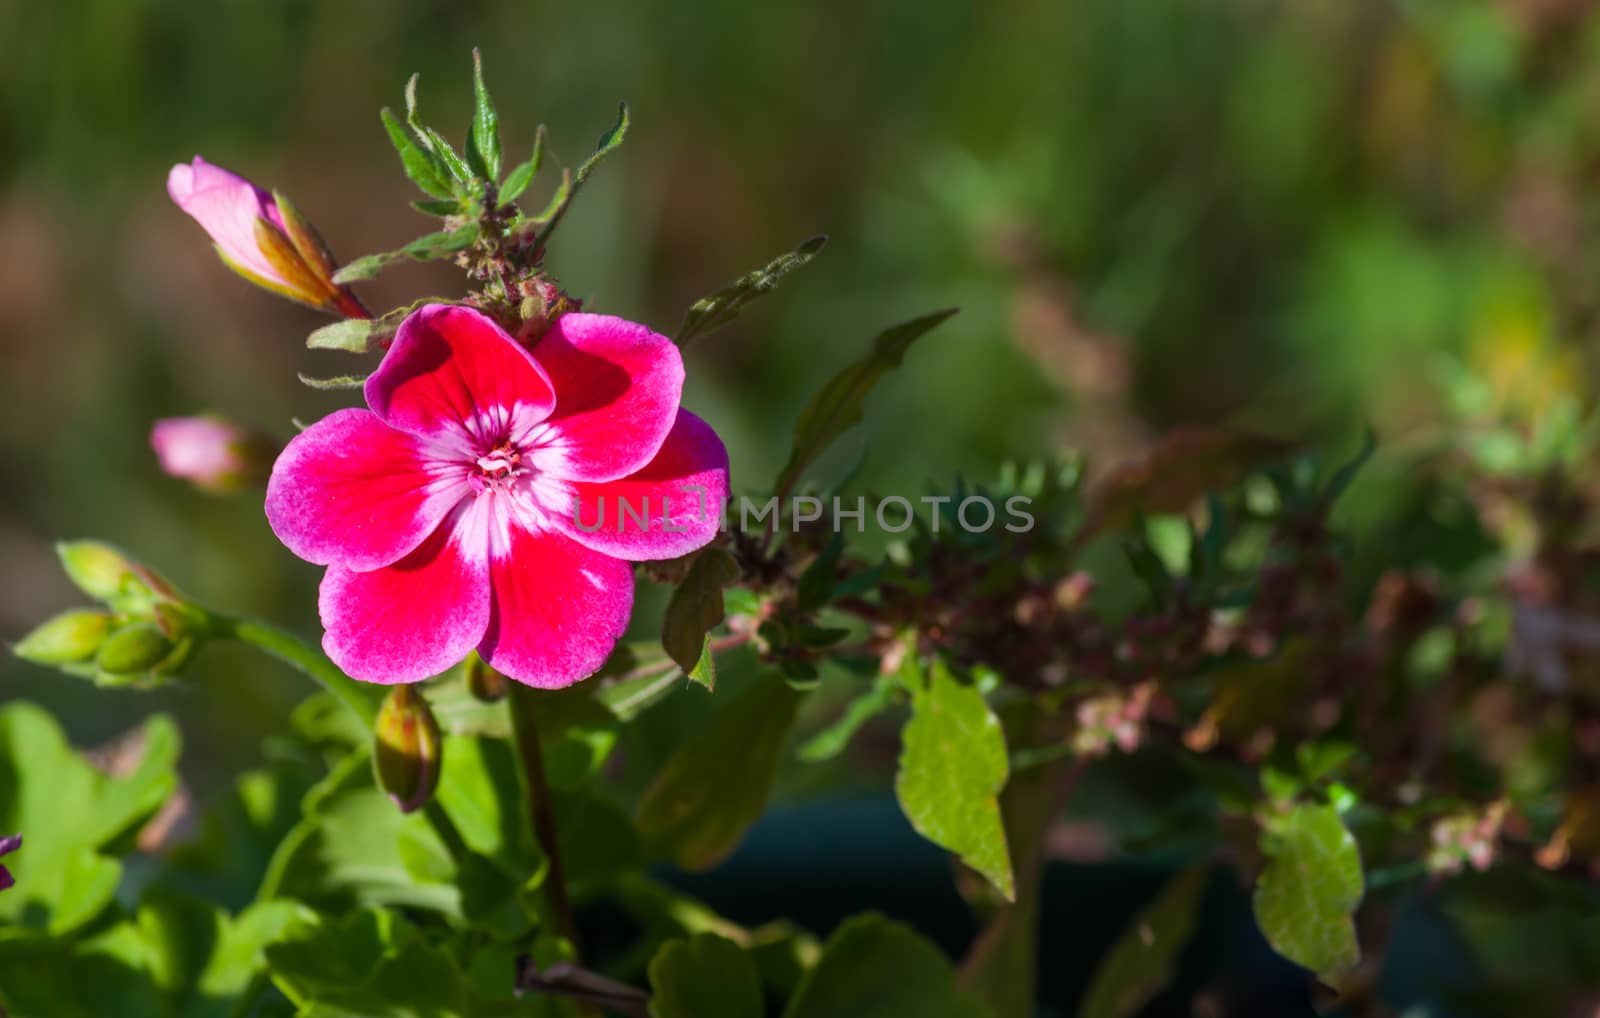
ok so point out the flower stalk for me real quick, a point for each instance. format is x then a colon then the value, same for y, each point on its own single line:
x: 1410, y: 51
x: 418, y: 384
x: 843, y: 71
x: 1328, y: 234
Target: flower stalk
x: 359, y: 698
x: 525, y: 729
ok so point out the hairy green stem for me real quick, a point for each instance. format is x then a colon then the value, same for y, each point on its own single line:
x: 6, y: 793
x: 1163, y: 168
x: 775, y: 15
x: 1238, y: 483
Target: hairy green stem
x: 296, y: 652
x: 523, y: 706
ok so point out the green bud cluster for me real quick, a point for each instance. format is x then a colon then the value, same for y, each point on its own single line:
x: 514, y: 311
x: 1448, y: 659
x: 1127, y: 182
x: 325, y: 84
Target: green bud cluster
x: 144, y: 635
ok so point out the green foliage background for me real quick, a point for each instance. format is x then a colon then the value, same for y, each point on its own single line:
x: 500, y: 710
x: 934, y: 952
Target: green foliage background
x: 1310, y: 216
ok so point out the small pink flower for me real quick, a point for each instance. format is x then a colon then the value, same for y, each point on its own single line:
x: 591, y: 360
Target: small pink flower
x: 211, y: 453
x: 7, y: 846
x: 492, y: 497
x: 287, y: 257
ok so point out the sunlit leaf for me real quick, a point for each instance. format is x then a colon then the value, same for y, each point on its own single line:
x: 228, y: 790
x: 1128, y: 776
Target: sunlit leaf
x: 483, y: 144
x: 1311, y: 884
x: 953, y: 765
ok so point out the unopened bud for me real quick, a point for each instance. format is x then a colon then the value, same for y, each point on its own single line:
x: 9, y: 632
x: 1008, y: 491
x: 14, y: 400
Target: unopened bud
x: 261, y: 236
x: 68, y: 638
x: 106, y: 574
x: 98, y: 569
x: 407, y: 749
x: 136, y: 648
x: 213, y: 454
x: 484, y: 682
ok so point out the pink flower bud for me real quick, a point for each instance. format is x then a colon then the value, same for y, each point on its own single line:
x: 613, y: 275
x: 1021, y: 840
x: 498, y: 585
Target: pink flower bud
x: 260, y: 236
x: 211, y: 453
x: 227, y: 206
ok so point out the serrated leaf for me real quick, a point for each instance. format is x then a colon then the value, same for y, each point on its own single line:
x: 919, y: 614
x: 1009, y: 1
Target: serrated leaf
x: 522, y: 174
x: 1308, y: 890
x: 837, y: 407
x: 431, y: 140
x: 564, y: 197
x: 426, y: 248
x: 696, y: 607
x: 709, y: 314
x: 698, y: 808
x: 351, y: 334
x: 953, y: 765
x: 705, y: 976
x: 483, y: 144
x: 1144, y: 959
x: 422, y: 167
x: 831, y: 741
x: 335, y: 382
x: 873, y: 967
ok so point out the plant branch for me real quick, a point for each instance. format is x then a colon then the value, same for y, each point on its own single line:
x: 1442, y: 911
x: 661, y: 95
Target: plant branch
x: 525, y: 727
x: 294, y: 651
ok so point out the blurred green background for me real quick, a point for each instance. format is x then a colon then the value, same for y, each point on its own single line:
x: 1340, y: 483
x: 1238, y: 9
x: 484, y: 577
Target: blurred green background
x: 1306, y: 216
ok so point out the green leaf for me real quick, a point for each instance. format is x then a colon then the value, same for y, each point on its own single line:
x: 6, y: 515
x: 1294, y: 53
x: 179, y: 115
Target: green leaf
x: 237, y: 962
x: 831, y: 741
x: 1311, y: 884
x: 483, y: 144
x: 706, y: 976
x: 372, y: 963
x: 952, y: 767
x: 331, y: 384
x: 875, y: 968
x: 522, y: 174
x: 564, y: 197
x: 431, y: 139
x: 838, y: 406
x: 350, y: 334
x: 1144, y: 959
x: 696, y: 607
x: 699, y: 806
x: 479, y: 789
x: 69, y: 813
x: 709, y: 314
x: 107, y: 973
x: 431, y: 247
x: 421, y: 165
x: 346, y: 851
x: 444, y: 208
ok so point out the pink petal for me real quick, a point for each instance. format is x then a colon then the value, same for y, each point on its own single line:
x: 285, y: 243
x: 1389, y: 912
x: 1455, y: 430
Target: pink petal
x: 227, y: 206
x: 678, y: 495
x: 353, y: 491
x: 453, y: 369
x: 617, y: 389
x: 558, y: 609
x: 405, y: 622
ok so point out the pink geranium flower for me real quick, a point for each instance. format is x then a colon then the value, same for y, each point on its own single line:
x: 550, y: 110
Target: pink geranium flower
x: 493, y: 497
